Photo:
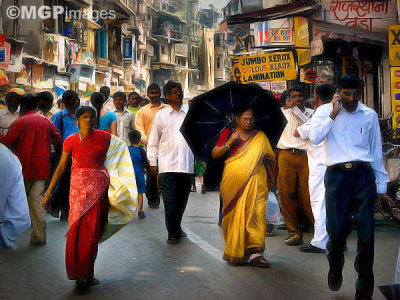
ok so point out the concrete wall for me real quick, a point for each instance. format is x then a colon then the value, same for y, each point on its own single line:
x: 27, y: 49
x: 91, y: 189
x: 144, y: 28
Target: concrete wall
x: 27, y: 30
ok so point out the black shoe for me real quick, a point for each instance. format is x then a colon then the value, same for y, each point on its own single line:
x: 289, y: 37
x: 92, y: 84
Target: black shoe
x: 335, y: 280
x: 311, y: 249
x: 182, y: 234
x: 172, y: 240
x: 281, y: 227
x: 220, y: 223
x: 141, y: 215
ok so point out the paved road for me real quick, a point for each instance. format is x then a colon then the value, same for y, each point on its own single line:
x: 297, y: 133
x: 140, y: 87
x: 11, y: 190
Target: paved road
x: 138, y: 264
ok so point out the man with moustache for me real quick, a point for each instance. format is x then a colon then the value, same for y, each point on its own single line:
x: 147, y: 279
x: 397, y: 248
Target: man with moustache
x: 144, y: 123
x: 169, y: 152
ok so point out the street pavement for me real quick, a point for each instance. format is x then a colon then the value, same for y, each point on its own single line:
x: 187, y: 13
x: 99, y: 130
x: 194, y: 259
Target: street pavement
x: 137, y: 263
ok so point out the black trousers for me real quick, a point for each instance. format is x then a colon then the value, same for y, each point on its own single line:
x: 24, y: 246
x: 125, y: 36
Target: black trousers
x: 175, y: 191
x: 351, y: 191
x: 152, y: 194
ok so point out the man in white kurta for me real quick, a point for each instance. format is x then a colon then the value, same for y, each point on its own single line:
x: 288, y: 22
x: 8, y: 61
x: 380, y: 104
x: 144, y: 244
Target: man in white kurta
x: 315, y: 152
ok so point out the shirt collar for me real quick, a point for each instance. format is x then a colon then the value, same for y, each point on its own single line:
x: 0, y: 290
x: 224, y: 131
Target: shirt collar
x: 184, y: 108
x: 360, y: 107
x: 65, y: 112
x: 29, y: 112
x: 7, y: 111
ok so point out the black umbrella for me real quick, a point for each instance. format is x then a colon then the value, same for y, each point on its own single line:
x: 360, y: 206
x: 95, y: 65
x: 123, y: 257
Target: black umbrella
x: 210, y: 113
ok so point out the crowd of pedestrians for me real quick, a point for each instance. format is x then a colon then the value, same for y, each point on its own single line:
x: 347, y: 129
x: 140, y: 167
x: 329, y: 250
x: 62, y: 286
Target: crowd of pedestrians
x: 327, y: 167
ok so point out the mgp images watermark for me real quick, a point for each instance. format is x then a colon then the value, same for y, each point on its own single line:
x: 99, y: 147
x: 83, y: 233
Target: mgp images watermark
x: 45, y: 12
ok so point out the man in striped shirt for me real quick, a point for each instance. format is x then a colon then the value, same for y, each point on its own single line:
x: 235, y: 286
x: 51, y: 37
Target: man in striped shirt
x: 293, y: 169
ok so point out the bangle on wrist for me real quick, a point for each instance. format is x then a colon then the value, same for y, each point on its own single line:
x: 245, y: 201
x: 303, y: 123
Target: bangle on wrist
x: 227, y: 147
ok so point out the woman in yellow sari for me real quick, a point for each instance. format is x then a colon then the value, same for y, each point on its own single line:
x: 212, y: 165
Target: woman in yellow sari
x: 244, y: 189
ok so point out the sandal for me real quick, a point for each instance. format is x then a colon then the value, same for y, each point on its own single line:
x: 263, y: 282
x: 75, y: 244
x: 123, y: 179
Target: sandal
x: 259, y: 262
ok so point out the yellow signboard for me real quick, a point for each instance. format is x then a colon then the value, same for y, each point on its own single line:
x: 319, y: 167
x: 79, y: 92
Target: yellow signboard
x: 394, y: 45
x: 395, y: 85
x: 275, y: 66
x: 303, y: 56
x: 301, y: 32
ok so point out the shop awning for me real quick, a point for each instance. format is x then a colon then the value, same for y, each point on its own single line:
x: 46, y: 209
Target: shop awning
x: 301, y: 7
x: 349, y: 34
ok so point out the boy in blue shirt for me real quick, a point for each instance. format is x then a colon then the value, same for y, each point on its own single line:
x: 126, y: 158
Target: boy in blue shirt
x: 139, y: 160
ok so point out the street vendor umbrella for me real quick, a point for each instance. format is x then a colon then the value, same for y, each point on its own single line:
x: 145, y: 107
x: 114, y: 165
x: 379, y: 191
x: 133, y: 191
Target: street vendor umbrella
x: 210, y: 113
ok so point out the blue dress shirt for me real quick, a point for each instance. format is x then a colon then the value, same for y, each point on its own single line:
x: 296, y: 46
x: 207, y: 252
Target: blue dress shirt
x: 69, y: 124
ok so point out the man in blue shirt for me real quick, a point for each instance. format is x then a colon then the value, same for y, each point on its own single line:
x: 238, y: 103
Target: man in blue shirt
x: 66, y: 117
x: 65, y: 122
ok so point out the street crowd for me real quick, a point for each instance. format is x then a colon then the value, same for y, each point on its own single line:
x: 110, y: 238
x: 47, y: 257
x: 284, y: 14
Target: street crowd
x: 327, y: 170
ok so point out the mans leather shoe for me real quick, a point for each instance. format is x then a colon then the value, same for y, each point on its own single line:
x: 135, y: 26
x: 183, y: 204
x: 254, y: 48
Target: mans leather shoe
x: 294, y: 240
x: 141, y: 215
x: 311, y: 249
x: 172, y: 240
x: 182, y: 234
x: 335, y: 280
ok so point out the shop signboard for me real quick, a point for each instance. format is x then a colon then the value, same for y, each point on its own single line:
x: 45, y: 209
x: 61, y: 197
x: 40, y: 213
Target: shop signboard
x: 395, y: 91
x: 302, y: 39
x: 394, y: 45
x: 127, y: 48
x: 276, y: 66
x: 369, y: 15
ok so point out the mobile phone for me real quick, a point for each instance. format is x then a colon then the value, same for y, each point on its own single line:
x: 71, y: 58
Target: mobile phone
x: 340, y: 98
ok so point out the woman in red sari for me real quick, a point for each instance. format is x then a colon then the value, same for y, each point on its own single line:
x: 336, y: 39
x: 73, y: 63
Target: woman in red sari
x: 88, y: 196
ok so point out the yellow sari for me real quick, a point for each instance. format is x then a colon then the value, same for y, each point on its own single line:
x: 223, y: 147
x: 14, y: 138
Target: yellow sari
x: 244, y: 190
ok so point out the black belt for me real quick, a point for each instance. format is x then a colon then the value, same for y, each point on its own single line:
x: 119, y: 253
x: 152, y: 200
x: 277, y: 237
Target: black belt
x: 351, y: 165
x: 295, y: 150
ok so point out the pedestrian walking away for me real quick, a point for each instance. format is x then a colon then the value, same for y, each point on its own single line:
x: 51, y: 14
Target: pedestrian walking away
x: 244, y: 190
x: 31, y: 137
x: 168, y: 150
x: 323, y: 94
x: 354, y: 179
x: 293, y: 170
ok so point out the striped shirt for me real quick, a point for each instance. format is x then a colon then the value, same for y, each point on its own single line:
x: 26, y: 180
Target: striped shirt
x: 295, y: 118
x: 167, y: 147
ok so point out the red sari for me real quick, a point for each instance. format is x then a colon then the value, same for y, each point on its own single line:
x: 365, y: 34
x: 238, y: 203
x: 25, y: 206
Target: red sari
x: 88, y: 201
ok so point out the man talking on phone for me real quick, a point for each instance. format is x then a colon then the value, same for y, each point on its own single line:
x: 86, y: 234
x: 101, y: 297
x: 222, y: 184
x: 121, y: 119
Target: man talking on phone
x: 354, y: 179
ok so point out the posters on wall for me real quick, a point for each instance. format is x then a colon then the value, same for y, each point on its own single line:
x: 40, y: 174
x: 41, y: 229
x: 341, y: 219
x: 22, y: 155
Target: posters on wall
x: 276, y: 66
x: 273, y: 32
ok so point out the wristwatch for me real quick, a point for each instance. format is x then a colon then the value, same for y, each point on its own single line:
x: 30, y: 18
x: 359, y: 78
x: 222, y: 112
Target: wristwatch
x: 227, y: 147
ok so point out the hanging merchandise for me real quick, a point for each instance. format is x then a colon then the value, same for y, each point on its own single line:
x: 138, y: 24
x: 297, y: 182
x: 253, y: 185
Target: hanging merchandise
x: 3, y: 78
x: 47, y: 80
x: 24, y: 77
x: 5, y: 53
x: 37, y: 75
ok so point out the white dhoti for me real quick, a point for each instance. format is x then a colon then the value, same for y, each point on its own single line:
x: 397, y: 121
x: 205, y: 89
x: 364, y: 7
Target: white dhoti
x: 317, y: 198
